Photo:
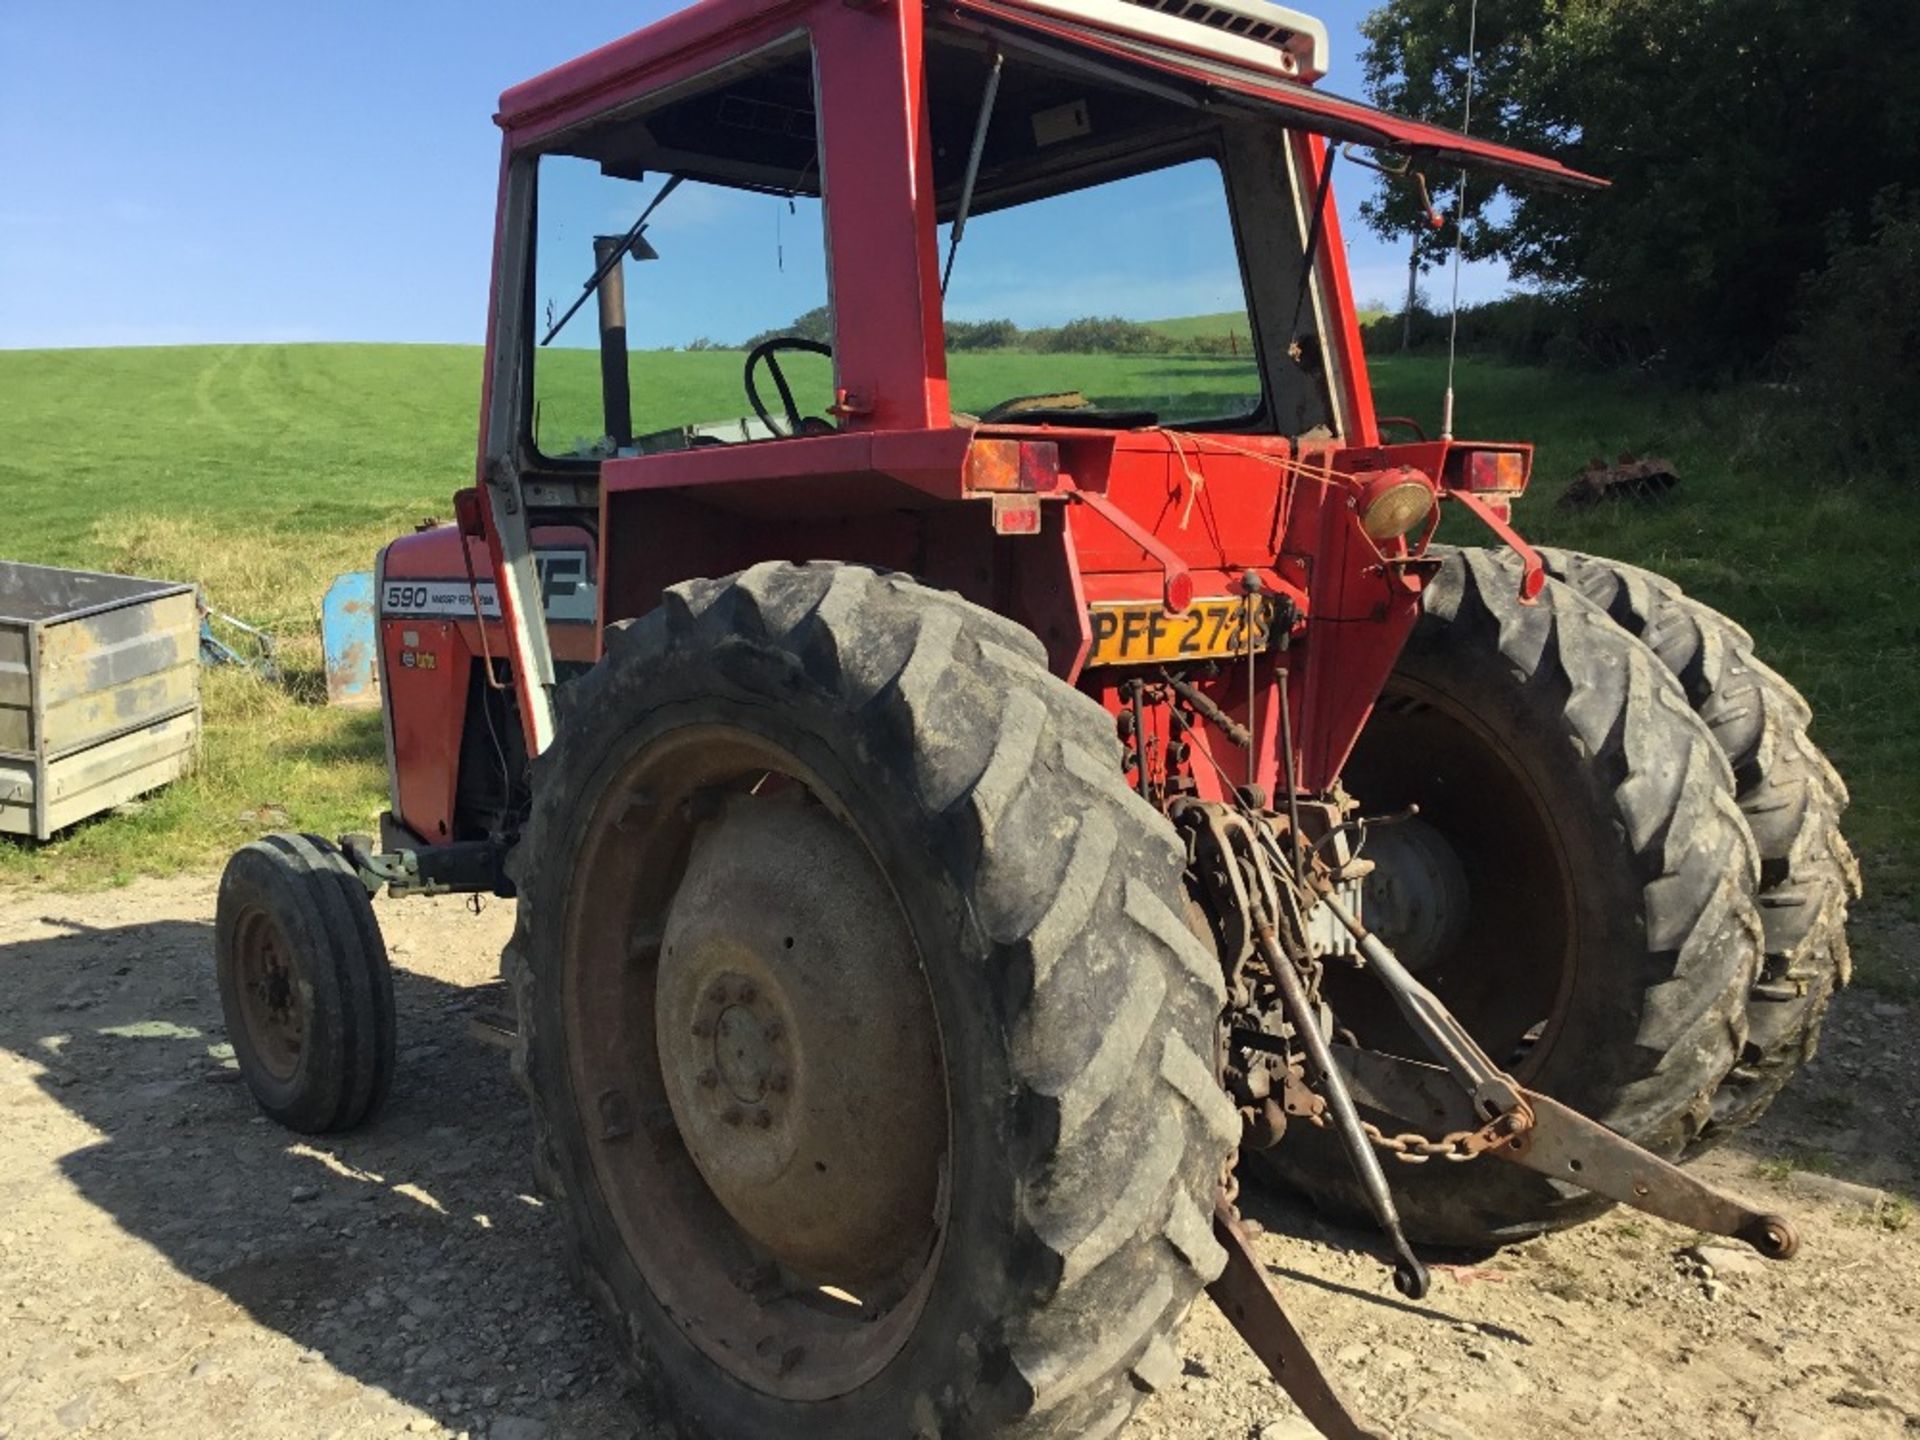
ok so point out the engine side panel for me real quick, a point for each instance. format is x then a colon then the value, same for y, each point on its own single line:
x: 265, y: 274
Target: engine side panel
x: 441, y: 634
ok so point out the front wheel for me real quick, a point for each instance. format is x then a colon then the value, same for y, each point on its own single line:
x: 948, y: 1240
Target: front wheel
x: 868, y: 1053
x: 305, y: 984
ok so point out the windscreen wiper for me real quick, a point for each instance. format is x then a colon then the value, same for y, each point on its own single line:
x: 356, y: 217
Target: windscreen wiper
x: 614, y: 257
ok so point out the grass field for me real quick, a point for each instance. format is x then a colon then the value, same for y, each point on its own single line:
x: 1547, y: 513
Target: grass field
x: 1188, y: 327
x: 262, y: 471
x: 1227, y: 322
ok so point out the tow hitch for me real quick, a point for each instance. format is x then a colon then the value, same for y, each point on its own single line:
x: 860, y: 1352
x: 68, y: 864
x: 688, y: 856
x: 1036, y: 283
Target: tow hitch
x: 1464, y: 1107
x: 1540, y: 1134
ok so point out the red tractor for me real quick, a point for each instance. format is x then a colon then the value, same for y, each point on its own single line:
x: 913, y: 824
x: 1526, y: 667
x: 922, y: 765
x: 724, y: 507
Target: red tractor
x: 945, y: 843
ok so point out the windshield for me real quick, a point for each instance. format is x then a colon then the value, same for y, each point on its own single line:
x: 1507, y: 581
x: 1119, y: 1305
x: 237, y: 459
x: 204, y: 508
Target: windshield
x: 1116, y: 304
x: 1127, y: 261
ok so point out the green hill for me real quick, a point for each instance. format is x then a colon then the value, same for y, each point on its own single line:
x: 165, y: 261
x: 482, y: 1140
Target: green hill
x: 261, y: 472
x: 1227, y: 322
x: 1188, y: 327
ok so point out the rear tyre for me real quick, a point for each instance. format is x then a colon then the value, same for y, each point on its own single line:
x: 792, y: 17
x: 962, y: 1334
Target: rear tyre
x: 1611, y: 932
x: 1792, y: 799
x: 305, y: 984
x: 978, y: 1217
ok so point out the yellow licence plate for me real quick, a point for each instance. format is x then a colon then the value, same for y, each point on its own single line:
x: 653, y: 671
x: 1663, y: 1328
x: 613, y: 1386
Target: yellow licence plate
x: 1145, y: 634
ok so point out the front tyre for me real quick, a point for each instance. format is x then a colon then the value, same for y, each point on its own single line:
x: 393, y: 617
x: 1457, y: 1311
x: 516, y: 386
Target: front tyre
x: 867, y: 1050
x: 305, y: 984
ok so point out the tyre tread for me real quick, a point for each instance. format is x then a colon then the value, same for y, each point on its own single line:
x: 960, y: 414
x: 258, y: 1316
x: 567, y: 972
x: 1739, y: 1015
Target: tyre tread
x: 1792, y: 799
x: 1072, y: 877
x: 1696, y: 859
x: 1685, y: 938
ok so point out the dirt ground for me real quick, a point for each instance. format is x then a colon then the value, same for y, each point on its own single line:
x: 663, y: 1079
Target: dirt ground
x: 172, y: 1265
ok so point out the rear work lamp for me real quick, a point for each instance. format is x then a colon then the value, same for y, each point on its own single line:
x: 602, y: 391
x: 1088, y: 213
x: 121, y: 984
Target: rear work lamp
x: 1392, y: 502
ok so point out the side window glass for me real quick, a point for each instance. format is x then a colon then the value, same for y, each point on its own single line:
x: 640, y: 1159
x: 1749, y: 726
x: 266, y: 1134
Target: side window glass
x: 730, y: 256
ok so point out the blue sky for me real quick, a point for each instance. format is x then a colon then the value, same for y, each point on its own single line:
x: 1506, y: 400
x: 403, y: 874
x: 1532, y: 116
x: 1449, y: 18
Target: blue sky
x: 222, y: 172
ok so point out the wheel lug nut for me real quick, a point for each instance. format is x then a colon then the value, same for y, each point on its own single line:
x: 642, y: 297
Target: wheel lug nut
x: 778, y: 1082
x: 718, y: 994
x: 773, y: 1030
x: 762, y: 1120
x: 761, y: 1281
x: 733, y: 1115
x: 702, y: 1029
x: 708, y: 1079
x: 746, y: 994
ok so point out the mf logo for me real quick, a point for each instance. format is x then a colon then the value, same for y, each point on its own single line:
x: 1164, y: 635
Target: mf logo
x: 566, y: 587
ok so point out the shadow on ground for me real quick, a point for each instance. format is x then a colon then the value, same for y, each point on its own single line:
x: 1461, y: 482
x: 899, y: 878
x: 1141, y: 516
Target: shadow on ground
x: 412, y: 1256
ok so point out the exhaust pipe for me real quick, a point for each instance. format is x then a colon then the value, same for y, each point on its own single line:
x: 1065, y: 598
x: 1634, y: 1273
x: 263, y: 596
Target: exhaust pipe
x: 616, y: 392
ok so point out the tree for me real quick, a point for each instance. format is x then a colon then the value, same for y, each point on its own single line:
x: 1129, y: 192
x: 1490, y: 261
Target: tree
x: 816, y: 324
x: 1856, y: 354
x: 1734, y: 132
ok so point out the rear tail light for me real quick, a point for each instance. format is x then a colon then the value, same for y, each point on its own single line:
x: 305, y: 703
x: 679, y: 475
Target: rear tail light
x: 1016, y: 515
x: 1013, y: 465
x: 1494, y: 472
x: 1392, y: 502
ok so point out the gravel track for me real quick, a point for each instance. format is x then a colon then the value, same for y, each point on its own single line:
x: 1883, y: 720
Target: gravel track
x: 171, y: 1265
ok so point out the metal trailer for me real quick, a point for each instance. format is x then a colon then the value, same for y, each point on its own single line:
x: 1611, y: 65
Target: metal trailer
x: 99, y: 692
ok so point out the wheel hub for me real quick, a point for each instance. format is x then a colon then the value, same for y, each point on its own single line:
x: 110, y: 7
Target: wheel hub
x: 798, y: 1044
x: 1418, y: 899
x: 745, y: 1041
x: 272, y: 1006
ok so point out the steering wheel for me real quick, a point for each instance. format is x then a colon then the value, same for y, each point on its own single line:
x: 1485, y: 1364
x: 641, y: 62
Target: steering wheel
x: 766, y: 351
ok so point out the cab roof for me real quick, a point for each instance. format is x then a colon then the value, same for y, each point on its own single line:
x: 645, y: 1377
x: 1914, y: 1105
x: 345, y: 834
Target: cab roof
x: 1205, y: 60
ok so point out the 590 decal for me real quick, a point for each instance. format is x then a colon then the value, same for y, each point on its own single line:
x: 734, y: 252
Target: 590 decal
x: 566, y: 590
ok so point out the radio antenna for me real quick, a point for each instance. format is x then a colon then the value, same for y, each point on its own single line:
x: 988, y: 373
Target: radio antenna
x: 1460, y: 224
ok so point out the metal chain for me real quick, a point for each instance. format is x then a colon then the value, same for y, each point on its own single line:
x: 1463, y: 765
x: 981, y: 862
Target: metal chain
x: 1411, y: 1148
x: 1408, y: 1147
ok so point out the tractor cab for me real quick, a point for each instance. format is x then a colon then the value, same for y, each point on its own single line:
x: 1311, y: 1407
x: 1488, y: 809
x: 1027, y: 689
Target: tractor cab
x: 1059, y: 196
x: 940, y: 230
x: 1107, y: 159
